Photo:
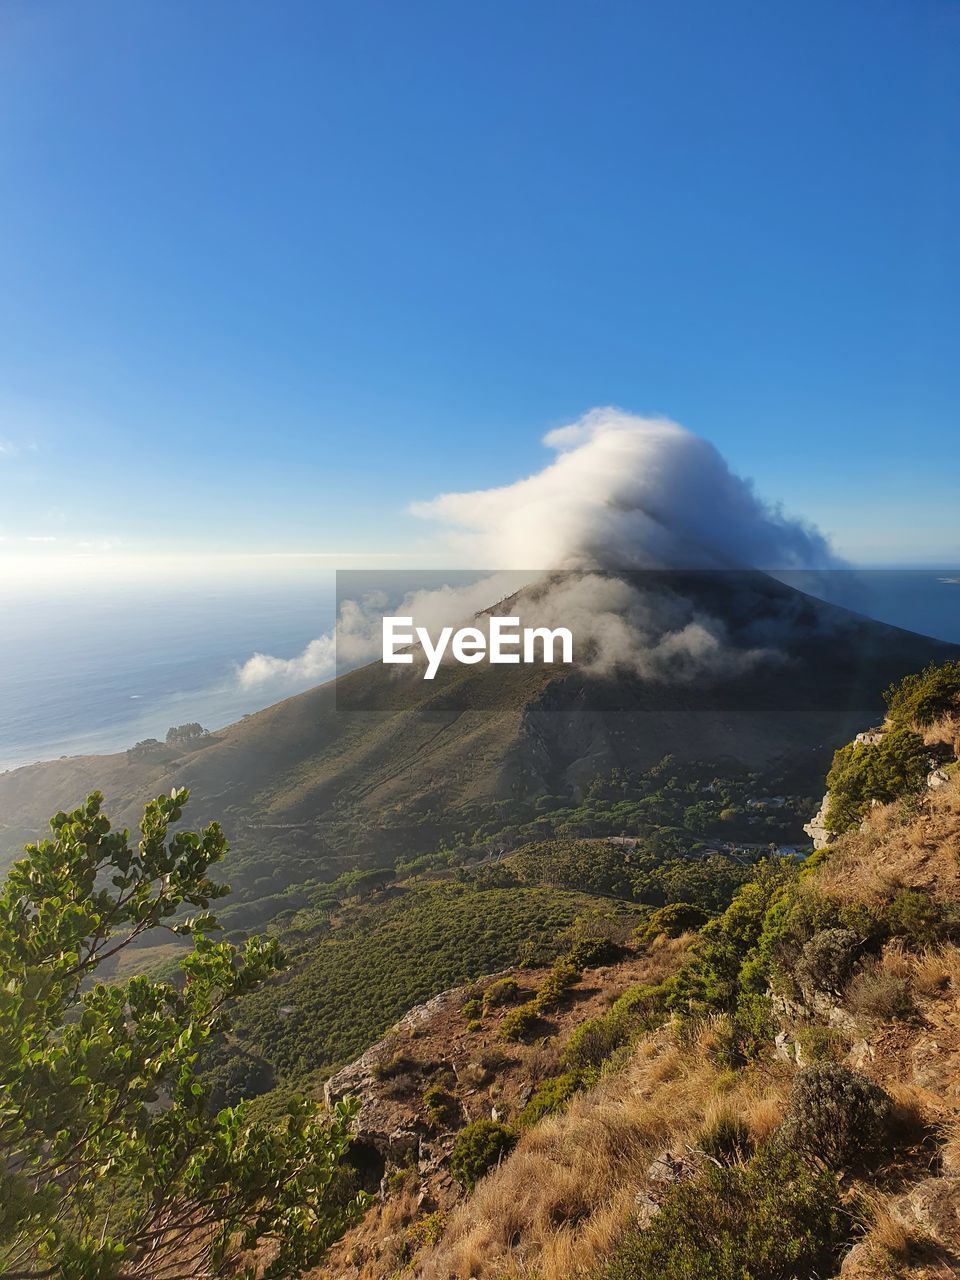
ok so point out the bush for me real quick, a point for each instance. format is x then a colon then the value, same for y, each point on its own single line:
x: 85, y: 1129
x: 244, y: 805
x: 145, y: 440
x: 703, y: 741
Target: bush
x: 819, y: 1043
x: 596, y: 1039
x: 589, y: 953
x: 520, y: 1022
x: 917, y: 918
x: 503, y: 991
x: 826, y: 961
x: 472, y: 1009
x: 554, y: 1094
x: 478, y: 1147
x: 401, y: 1064
x: 772, y: 1219
x: 441, y: 1106
x: 837, y: 1116
x: 745, y: 1033
x: 877, y: 993
x: 593, y: 1042
x: 926, y: 697
x: 862, y: 772
x: 556, y: 985
x: 672, y: 920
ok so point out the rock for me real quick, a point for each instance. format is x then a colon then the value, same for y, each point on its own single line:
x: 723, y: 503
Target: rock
x: 937, y: 778
x: 670, y: 1169
x: 870, y: 737
x: 815, y: 828
x: 784, y: 1048
x: 860, y: 1054
x: 933, y: 1207
x: 646, y: 1208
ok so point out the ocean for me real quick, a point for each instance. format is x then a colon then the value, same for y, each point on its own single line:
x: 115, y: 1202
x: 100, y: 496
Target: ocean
x: 96, y: 672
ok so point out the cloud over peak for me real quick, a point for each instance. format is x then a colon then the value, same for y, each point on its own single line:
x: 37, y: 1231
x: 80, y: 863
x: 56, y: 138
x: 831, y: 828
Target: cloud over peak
x: 625, y: 492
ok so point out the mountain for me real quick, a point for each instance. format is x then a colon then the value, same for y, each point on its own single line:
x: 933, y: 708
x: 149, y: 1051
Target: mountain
x: 361, y: 770
x: 773, y: 1095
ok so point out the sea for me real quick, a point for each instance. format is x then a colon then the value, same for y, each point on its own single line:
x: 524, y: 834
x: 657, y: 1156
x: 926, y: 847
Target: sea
x: 92, y: 672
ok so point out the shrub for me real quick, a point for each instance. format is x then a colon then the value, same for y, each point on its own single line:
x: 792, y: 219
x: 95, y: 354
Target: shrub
x: 917, y: 918
x: 520, y: 1022
x: 596, y: 1039
x: 745, y: 1033
x: 818, y: 1043
x: 401, y: 1064
x: 401, y: 1086
x: 554, y: 1094
x: 593, y: 1042
x: 837, y: 1116
x: 441, y: 1106
x: 673, y: 919
x: 503, y: 991
x: 556, y: 985
x: 875, y: 992
x: 472, y: 1009
x: 478, y: 1147
x: 827, y: 960
x: 772, y: 1219
x: 494, y: 1060
x: 883, y: 771
x: 589, y: 953
x: 925, y: 697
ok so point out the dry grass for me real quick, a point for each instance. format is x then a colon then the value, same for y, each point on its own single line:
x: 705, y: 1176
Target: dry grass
x: 883, y: 990
x: 936, y: 973
x: 872, y: 865
x: 556, y: 1206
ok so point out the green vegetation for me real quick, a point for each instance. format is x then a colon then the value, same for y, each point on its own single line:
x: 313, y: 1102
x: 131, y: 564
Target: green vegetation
x: 555, y: 1092
x: 350, y: 980
x: 645, y: 875
x: 672, y: 920
x: 771, y: 1219
x: 639, y: 1009
x: 838, y: 1117
x: 108, y: 1151
x: 725, y: 1139
x: 441, y: 1106
x: 503, y: 991
x: 862, y: 773
x: 520, y: 1023
x: 926, y: 697
x: 591, y: 953
x: 478, y: 1148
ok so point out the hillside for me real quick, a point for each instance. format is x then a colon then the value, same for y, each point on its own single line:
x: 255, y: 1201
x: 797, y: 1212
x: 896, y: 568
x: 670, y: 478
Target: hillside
x: 775, y: 1097
x: 346, y: 775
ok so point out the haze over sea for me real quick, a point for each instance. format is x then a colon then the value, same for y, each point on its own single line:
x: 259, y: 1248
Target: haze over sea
x: 88, y: 673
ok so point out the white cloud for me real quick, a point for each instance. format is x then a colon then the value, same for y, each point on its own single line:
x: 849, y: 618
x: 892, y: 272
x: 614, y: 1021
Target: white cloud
x: 625, y: 492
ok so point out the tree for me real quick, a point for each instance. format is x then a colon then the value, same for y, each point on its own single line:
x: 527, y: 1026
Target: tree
x: 111, y: 1165
x: 182, y: 735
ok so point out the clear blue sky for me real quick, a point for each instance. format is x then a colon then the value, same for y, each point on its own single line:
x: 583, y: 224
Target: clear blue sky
x: 269, y: 272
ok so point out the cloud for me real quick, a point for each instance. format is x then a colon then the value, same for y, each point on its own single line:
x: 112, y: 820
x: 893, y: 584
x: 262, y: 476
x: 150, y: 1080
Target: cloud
x: 622, y: 493
x: 625, y: 492
x: 358, y: 636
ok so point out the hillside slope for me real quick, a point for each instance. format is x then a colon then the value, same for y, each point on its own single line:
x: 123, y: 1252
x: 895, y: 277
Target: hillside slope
x: 781, y: 1094
x: 305, y: 789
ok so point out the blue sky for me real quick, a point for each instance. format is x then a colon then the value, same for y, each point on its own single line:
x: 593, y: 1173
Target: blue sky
x: 269, y: 273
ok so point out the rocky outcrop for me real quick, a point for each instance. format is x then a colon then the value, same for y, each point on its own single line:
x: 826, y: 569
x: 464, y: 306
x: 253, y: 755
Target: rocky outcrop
x: 394, y: 1131
x: 816, y: 828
